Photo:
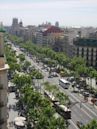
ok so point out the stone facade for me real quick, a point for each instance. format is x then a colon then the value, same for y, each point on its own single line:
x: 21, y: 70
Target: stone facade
x: 3, y: 86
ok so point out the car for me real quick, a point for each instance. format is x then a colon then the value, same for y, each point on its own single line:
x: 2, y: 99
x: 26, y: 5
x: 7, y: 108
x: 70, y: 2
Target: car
x: 81, y: 91
x: 86, y: 94
x: 79, y: 124
x: 54, y: 74
x: 78, y: 86
x: 50, y: 76
x: 71, y: 79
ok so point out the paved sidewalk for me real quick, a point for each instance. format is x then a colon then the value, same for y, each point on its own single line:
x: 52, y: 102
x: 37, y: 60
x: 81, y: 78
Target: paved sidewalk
x: 11, y: 110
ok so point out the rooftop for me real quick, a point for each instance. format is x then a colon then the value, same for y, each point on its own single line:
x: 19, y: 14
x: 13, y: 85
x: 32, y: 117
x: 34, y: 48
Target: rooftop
x: 52, y: 29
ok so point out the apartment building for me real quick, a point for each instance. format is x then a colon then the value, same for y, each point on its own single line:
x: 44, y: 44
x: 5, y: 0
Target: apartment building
x: 86, y: 48
x: 3, y: 85
x: 47, y: 36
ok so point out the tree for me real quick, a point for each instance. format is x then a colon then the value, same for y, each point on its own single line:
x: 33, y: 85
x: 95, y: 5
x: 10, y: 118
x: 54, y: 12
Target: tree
x: 21, y: 57
x: 26, y: 65
x: 39, y: 110
x: 77, y: 61
x: 62, y: 98
x: 22, y: 80
x: 35, y: 74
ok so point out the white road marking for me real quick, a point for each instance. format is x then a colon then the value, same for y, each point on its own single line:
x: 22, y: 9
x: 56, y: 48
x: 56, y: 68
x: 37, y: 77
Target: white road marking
x: 84, y: 106
x: 73, y: 124
x: 84, y: 112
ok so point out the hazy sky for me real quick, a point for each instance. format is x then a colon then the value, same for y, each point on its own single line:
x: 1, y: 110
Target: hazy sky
x: 67, y: 12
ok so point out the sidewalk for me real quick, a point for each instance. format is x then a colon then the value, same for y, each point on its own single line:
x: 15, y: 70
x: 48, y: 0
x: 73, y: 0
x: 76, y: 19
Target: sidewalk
x: 11, y: 110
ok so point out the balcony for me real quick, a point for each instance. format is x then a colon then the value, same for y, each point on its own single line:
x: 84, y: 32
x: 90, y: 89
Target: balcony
x: 1, y: 104
x: 1, y: 86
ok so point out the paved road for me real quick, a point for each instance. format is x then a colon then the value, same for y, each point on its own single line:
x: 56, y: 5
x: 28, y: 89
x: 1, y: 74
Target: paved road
x: 83, y: 112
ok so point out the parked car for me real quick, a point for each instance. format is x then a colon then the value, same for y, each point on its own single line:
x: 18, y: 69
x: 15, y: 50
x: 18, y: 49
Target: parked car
x: 54, y: 74
x: 86, y: 94
x: 50, y: 76
x: 78, y: 86
x: 71, y: 79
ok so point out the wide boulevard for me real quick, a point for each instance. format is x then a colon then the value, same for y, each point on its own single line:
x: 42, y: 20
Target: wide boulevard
x: 81, y: 110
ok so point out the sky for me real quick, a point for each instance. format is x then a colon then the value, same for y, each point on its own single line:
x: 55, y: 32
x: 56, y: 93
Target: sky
x: 33, y: 12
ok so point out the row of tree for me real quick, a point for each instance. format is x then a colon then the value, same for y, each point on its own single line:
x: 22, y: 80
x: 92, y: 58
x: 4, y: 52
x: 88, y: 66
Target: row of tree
x: 76, y: 64
x: 12, y: 60
x: 37, y: 109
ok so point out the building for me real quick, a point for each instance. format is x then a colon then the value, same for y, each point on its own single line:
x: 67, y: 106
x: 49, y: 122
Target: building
x: 57, y: 24
x: 91, y: 82
x: 15, y: 26
x: 71, y: 33
x: 3, y: 85
x: 26, y: 33
x: 86, y: 48
x: 93, y: 35
x: 47, y: 36
x: 15, y: 22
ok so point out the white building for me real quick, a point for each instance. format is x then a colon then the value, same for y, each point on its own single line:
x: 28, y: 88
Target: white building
x: 91, y: 82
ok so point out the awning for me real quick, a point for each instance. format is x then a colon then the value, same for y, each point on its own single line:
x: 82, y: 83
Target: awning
x: 20, y: 118
x: 20, y: 123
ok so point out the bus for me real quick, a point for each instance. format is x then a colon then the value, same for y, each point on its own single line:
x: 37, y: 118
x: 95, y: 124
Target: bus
x: 64, y: 83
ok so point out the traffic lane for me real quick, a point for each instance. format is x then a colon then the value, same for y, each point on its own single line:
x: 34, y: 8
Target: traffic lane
x: 86, y: 110
x: 89, y: 108
x: 78, y: 114
x: 77, y: 98
x: 87, y: 115
x: 36, y: 65
x: 86, y: 106
x: 72, y: 125
x: 92, y: 108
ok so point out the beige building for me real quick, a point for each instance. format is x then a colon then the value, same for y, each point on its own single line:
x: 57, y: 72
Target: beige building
x: 3, y: 85
x: 87, y: 48
x: 47, y: 36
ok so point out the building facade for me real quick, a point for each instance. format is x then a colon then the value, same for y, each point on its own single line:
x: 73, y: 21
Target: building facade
x: 3, y: 85
x: 86, y: 48
x: 47, y: 36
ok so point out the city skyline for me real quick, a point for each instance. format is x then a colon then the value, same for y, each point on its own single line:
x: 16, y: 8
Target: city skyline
x: 68, y: 12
